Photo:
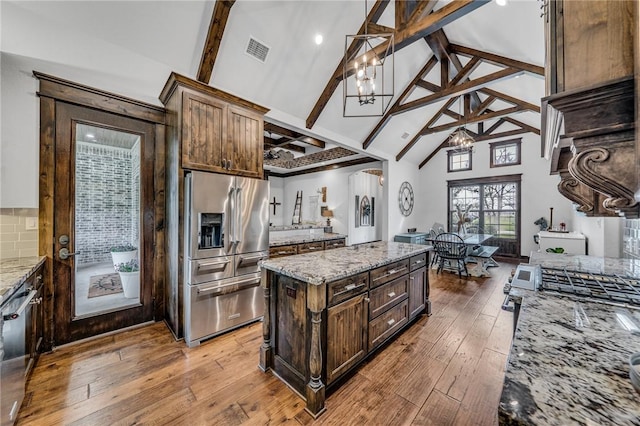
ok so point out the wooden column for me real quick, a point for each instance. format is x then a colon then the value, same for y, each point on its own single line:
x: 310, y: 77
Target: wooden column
x: 266, y: 351
x: 315, y: 390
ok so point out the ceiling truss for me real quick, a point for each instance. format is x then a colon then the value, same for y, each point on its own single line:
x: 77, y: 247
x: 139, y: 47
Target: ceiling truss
x: 415, y: 20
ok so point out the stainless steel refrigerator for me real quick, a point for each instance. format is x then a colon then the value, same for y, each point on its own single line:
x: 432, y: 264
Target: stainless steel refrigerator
x: 226, y: 235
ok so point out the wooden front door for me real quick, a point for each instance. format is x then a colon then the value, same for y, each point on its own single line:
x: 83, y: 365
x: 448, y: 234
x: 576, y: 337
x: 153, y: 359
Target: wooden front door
x: 103, y: 198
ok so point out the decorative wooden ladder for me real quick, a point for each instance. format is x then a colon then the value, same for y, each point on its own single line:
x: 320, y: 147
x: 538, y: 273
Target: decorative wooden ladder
x: 297, y: 209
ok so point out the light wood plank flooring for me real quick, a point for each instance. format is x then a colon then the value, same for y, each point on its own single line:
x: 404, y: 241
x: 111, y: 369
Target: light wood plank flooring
x: 446, y: 369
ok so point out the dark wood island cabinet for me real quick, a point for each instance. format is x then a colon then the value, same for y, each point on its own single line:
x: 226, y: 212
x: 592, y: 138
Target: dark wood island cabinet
x: 329, y: 310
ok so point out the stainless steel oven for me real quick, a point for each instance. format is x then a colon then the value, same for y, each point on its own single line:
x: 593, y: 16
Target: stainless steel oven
x: 14, y: 321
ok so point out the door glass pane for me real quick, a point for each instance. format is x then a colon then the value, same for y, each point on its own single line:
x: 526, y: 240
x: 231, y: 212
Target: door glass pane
x: 107, y: 220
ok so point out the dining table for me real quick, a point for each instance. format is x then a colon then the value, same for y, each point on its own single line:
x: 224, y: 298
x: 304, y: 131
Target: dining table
x: 477, y: 253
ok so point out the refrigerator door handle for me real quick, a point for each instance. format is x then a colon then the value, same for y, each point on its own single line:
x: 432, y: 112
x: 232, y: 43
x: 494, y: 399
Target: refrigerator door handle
x: 232, y: 220
x: 239, y: 223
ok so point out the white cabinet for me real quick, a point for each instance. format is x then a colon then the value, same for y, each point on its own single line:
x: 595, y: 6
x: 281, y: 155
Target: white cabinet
x: 571, y: 242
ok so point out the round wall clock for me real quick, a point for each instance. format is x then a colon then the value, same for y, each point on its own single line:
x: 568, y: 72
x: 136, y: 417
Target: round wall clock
x: 405, y: 198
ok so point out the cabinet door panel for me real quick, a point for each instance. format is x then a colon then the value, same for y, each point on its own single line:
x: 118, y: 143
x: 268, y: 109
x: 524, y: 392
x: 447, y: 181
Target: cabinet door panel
x: 245, y: 143
x: 417, y: 296
x: 346, y: 336
x: 204, y: 133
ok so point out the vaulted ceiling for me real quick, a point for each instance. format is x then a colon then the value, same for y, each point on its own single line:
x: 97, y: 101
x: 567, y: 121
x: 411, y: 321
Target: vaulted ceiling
x: 454, y: 86
x: 456, y: 62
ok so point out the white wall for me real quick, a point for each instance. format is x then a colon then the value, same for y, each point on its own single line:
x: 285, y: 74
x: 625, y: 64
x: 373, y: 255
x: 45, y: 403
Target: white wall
x: 337, y: 183
x: 276, y: 189
x: 395, y: 173
x: 538, y: 189
x: 363, y: 184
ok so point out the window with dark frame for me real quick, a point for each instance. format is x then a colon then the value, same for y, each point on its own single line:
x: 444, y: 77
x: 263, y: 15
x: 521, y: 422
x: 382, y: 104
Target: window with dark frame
x: 505, y: 153
x: 492, y: 206
x: 458, y: 161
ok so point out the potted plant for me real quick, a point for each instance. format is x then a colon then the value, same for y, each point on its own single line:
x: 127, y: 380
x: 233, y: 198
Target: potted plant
x: 123, y: 253
x: 130, y: 278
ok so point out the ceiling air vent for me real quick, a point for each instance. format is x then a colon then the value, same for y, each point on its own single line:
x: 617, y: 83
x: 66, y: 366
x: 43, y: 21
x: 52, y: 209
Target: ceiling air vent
x: 257, y: 49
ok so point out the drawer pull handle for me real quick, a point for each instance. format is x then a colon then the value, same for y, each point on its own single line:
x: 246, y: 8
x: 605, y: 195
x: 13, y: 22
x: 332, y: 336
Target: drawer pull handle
x: 391, y: 272
x: 314, y: 247
x: 391, y: 321
x: 418, y: 262
x: 348, y: 288
x: 284, y: 252
x: 392, y: 294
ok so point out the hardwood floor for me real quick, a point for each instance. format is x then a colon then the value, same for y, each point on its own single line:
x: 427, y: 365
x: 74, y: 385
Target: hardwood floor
x: 446, y: 369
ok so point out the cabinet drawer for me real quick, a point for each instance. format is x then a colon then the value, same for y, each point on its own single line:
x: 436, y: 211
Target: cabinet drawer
x: 388, y: 295
x: 283, y: 251
x: 331, y: 244
x: 418, y: 261
x: 383, y: 327
x: 340, y: 290
x: 386, y: 273
x: 309, y: 247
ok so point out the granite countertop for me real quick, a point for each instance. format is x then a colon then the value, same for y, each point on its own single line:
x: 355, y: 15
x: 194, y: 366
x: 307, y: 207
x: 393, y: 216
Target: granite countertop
x: 14, y: 271
x: 568, y: 363
x: 276, y: 240
x: 330, y: 265
x: 601, y: 265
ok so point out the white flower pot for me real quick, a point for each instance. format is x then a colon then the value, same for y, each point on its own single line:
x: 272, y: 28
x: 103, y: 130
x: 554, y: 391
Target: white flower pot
x: 123, y: 256
x: 130, y: 284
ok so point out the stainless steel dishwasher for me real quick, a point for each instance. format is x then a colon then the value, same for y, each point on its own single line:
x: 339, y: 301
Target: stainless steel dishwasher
x: 13, y: 322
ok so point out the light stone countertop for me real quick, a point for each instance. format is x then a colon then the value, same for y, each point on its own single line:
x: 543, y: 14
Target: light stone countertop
x: 563, y: 371
x: 14, y: 271
x: 276, y: 240
x: 330, y: 265
x: 600, y: 265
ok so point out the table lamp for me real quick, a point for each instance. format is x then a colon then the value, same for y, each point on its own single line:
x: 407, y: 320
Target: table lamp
x: 328, y: 214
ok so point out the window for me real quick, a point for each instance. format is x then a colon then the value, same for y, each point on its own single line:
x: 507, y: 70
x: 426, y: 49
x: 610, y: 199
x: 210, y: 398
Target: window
x: 458, y: 160
x: 489, y: 206
x: 505, y: 153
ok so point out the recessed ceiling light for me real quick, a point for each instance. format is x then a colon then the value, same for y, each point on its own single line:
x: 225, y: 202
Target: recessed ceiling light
x: 501, y: 2
x: 319, y: 39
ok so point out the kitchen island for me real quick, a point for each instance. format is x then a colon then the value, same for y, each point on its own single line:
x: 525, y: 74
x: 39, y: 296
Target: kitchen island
x: 568, y: 363
x: 325, y: 312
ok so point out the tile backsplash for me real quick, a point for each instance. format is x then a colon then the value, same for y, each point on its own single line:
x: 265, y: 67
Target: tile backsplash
x: 15, y: 239
x: 631, y: 239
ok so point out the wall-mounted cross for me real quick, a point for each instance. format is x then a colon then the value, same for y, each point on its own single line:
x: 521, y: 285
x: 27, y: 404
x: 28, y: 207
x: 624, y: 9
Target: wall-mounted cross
x: 274, y: 204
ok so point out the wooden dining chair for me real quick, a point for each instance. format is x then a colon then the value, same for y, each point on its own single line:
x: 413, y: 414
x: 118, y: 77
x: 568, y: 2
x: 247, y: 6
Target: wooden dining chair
x: 451, y: 248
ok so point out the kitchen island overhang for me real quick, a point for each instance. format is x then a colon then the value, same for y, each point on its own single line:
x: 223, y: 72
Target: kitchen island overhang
x: 325, y: 312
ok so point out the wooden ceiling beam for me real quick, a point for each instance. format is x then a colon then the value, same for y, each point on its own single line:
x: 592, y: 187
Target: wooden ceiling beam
x: 403, y: 37
x: 422, y: 8
x: 218, y: 22
x: 439, y: 42
x: 347, y: 163
x: 275, y: 143
x: 374, y: 14
x: 292, y: 135
x: 401, y: 7
x: 312, y: 141
x: 461, y: 122
x: 510, y: 99
x: 459, y: 89
x: 497, y: 59
x: 463, y: 74
x: 428, y: 86
x: 522, y: 125
x: 407, y: 91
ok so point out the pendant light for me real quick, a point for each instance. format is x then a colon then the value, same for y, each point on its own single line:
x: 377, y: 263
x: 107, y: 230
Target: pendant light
x: 367, y: 90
